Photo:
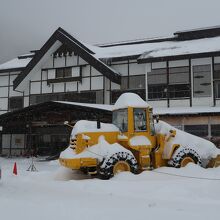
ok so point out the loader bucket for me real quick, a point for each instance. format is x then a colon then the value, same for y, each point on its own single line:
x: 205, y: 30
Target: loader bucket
x: 214, y: 162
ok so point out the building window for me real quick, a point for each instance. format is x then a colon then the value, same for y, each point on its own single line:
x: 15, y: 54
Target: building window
x: 137, y: 82
x: 179, y: 82
x: 133, y: 82
x: 215, y: 130
x: 179, y: 91
x: 86, y: 97
x: 202, y: 81
x: 157, y: 91
x: 178, y: 86
x: 157, y: 84
x: 16, y: 103
x: 198, y: 130
x: 216, y: 78
x: 63, y: 72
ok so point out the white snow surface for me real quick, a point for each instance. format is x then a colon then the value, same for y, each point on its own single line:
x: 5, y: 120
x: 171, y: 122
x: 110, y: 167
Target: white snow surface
x: 130, y: 100
x: 159, y: 49
x: 139, y: 141
x: 55, y: 192
x: 185, y: 110
x: 204, y: 148
x: 15, y: 63
x: 83, y: 126
x: 97, y: 106
x: 99, y: 151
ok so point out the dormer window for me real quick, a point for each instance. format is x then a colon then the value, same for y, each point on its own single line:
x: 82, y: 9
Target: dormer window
x: 63, y: 72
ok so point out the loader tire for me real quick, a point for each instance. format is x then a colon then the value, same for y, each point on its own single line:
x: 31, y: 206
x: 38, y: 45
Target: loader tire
x: 118, y: 162
x: 184, y: 156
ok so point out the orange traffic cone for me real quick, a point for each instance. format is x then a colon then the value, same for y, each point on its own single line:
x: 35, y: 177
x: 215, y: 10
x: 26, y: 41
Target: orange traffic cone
x: 15, y: 169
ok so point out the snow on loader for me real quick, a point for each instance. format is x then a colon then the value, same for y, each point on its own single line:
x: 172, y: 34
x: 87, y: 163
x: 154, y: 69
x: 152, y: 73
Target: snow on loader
x: 133, y: 142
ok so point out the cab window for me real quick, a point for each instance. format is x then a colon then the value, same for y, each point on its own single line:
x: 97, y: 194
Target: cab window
x: 120, y: 119
x: 140, y: 120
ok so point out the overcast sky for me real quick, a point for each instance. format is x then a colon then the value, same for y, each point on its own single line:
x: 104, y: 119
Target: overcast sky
x: 27, y: 24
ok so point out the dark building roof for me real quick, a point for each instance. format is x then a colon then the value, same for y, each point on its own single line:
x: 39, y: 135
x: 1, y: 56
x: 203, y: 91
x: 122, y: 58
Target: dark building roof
x: 198, y: 33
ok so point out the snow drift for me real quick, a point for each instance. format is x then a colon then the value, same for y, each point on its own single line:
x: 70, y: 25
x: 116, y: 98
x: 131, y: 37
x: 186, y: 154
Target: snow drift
x: 204, y: 148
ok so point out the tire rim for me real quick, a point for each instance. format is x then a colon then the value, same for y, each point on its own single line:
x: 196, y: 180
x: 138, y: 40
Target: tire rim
x: 186, y: 160
x: 121, y: 166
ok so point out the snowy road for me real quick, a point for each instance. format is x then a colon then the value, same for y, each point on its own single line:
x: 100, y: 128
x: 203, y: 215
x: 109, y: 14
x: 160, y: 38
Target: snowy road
x: 55, y: 193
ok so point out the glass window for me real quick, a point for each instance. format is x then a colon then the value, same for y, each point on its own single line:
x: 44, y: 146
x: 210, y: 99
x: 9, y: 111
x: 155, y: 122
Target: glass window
x: 137, y: 82
x: 16, y: 103
x: 124, y: 82
x: 120, y: 119
x: 152, y: 128
x: 217, y: 89
x: 59, y: 73
x: 198, y: 130
x: 215, y: 130
x: 179, y: 91
x: 179, y: 75
x: 67, y: 72
x: 157, y: 91
x: 63, y: 72
x: 157, y: 76
x: 140, y: 120
x: 216, y: 73
x: 202, y: 81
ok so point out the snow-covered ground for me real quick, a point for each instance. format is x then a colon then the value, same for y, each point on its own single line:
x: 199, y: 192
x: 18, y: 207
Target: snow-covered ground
x: 58, y: 193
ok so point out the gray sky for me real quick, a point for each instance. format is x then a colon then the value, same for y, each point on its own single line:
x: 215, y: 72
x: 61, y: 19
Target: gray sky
x: 27, y: 24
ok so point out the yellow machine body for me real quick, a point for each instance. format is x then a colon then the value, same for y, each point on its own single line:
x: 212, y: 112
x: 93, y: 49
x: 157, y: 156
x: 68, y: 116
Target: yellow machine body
x: 147, y: 156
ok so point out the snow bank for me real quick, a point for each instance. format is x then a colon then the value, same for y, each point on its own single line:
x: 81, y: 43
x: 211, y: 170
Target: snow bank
x: 99, y: 151
x: 204, y: 148
x: 91, y: 126
x: 130, y: 100
x: 139, y: 141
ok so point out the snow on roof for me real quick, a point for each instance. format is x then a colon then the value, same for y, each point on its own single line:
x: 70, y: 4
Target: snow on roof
x: 159, y: 49
x: 175, y: 48
x: 15, y: 63
x: 130, y: 100
x: 97, y: 106
x: 185, y: 110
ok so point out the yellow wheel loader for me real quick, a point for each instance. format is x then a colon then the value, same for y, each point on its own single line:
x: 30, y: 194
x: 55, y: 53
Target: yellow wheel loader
x: 133, y: 142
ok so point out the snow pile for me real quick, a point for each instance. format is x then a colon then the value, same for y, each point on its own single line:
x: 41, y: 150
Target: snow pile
x: 204, y: 148
x: 32, y: 195
x: 99, y: 151
x: 83, y: 126
x: 130, y: 100
x: 139, y: 141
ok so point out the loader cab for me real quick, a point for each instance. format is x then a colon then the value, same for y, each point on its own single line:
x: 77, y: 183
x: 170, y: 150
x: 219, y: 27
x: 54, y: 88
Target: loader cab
x: 134, y: 121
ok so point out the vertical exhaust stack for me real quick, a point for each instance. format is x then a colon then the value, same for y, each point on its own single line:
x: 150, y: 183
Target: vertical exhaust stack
x: 98, y: 123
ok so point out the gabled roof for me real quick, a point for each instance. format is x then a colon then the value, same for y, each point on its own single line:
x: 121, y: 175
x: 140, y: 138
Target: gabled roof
x: 83, y: 51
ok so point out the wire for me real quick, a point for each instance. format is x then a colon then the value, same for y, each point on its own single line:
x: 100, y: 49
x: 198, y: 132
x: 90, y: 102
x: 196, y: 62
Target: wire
x: 189, y: 177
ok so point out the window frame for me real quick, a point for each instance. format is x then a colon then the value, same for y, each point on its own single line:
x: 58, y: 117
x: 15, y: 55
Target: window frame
x: 144, y: 110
